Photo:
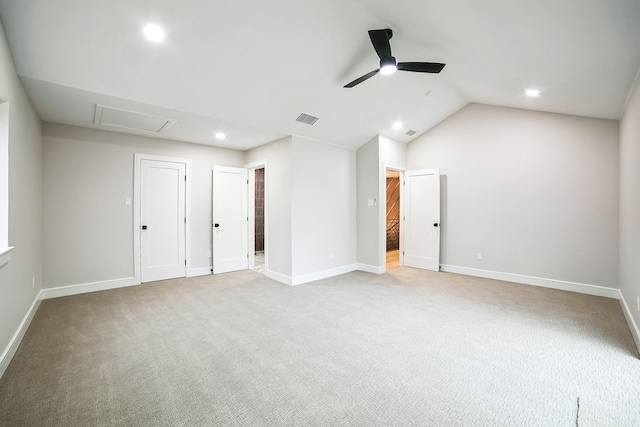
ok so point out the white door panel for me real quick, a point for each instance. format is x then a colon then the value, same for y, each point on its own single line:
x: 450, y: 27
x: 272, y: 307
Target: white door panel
x: 230, y: 219
x: 421, y: 212
x: 162, y: 218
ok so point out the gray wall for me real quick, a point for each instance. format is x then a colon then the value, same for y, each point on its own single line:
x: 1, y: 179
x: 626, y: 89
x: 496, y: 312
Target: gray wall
x: 630, y: 204
x: 372, y: 158
x: 25, y: 198
x: 368, y: 217
x: 278, y: 190
x: 87, y: 174
x: 323, y: 207
x: 535, y: 193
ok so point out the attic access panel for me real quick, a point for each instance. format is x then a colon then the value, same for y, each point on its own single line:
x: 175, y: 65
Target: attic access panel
x: 131, y: 120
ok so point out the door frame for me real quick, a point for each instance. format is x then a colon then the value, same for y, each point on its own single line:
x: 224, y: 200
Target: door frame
x: 382, y: 196
x: 138, y: 158
x: 251, y: 212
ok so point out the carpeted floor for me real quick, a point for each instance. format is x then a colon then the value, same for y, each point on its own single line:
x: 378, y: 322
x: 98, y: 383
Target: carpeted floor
x: 406, y: 348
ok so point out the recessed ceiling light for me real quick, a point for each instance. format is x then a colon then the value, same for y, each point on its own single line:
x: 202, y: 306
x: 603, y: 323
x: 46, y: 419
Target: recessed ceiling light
x: 532, y: 93
x: 220, y: 135
x: 397, y: 126
x: 154, y: 33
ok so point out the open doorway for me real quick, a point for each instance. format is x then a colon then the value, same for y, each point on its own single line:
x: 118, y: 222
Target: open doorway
x: 392, y: 219
x: 258, y: 234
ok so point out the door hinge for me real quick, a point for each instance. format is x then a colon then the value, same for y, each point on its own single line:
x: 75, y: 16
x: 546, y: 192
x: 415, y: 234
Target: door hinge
x: 185, y: 262
x: 247, y: 255
x: 247, y: 182
x: 185, y: 177
x: 185, y: 220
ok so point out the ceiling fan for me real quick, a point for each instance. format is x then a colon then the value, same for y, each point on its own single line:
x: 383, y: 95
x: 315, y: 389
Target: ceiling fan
x: 380, y: 40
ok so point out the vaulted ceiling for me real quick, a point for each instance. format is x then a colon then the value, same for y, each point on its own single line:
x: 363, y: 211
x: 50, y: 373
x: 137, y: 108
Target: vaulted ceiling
x: 248, y: 68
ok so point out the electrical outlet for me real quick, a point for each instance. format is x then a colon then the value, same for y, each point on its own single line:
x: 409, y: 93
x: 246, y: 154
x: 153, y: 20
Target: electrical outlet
x: 638, y: 303
x: 479, y: 256
x: 33, y: 282
x: 331, y: 255
x: 209, y: 254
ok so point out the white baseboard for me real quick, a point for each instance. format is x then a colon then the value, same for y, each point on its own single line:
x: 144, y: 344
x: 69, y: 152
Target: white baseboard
x: 15, y: 341
x: 83, y: 288
x: 371, y: 268
x: 312, y: 277
x: 287, y: 280
x: 633, y: 326
x: 204, y: 271
x: 601, y: 291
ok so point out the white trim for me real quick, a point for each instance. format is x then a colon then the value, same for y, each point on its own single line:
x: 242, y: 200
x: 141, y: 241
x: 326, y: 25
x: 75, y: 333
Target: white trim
x: 5, y: 255
x: 138, y: 157
x: 203, y: 271
x: 382, y: 213
x: 15, y: 341
x: 312, y: 277
x: 633, y: 326
x: 259, y: 164
x: 371, y: 268
x: 287, y: 280
x: 83, y: 288
x: 601, y: 291
x: 256, y: 165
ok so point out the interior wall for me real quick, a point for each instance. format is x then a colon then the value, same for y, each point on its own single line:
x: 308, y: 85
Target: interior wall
x: 536, y: 193
x: 323, y: 207
x: 278, y: 203
x: 88, y: 173
x: 630, y: 205
x: 368, y: 217
x: 372, y: 160
x: 21, y: 278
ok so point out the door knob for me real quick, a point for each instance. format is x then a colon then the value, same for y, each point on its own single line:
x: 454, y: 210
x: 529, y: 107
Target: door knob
x: 436, y: 224
x: 144, y: 227
x: 216, y: 225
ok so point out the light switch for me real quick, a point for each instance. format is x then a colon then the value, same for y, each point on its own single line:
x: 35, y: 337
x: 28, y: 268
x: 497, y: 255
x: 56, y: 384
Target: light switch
x: 127, y: 201
x: 372, y: 202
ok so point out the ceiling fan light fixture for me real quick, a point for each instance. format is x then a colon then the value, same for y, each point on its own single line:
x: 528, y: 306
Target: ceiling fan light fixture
x: 532, y: 93
x: 388, y: 66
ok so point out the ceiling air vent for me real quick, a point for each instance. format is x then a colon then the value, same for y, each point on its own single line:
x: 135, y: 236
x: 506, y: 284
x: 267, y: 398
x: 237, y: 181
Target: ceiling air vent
x: 410, y: 132
x: 306, y: 119
x: 131, y: 120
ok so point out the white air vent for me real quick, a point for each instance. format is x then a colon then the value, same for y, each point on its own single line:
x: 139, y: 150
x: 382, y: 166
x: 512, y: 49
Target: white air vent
x: 410, y: 132
x: 132, y: 120
x: 306, y: 119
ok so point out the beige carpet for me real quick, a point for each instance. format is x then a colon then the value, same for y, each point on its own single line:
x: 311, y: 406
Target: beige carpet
x: 407, y: 348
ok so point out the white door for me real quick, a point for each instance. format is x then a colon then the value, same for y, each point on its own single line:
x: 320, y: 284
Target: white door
x: 162, y: 220
x: 421, y: 214
x: 230, y: 220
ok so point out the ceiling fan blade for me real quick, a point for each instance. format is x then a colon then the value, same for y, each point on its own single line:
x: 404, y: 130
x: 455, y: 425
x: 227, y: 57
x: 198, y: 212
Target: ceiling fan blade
x: 361, y: 79
x: 380, y: 41
x: 421, y: 67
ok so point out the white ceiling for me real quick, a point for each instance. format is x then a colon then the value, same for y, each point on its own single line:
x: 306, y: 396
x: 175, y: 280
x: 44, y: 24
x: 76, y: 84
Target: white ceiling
x: 248, y: 68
